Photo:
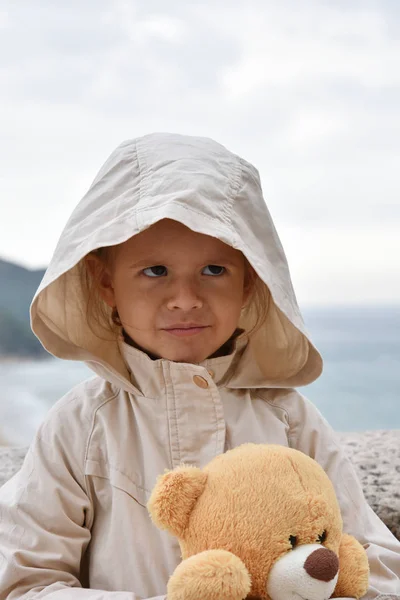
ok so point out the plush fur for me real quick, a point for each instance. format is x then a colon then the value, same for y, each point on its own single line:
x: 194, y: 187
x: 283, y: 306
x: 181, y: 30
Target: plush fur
x: 273, y: 513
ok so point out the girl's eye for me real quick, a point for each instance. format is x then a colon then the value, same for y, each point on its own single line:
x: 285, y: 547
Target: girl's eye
x: 161, y: 271
x: 293, y: 541
x: 215, y: 269
x: 322, y: 537
x: 157, y: 271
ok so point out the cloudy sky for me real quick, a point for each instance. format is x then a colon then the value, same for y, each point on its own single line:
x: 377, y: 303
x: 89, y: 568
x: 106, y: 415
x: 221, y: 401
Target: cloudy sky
x: 309, y: 91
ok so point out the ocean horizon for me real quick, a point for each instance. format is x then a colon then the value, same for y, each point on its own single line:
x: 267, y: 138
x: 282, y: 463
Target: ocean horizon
x: 358, y: 390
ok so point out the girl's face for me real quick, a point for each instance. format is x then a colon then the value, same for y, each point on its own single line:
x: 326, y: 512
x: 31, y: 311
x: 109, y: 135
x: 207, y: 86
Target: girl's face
x: 178, y: 293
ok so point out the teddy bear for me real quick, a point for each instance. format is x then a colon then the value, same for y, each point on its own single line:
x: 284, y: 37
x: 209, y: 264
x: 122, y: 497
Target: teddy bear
x: 259, y: 522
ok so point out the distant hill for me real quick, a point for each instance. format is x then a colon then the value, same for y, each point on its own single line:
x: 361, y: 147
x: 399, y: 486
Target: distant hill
x: 17, y: 288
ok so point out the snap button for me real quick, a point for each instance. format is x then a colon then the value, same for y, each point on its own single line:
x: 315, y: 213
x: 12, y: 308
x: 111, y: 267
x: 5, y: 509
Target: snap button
x: 211, y: 372
x: 200, y: 381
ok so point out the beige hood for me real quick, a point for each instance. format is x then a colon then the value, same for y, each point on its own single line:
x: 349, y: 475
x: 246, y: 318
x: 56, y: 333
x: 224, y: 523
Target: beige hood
x: 210, y: 190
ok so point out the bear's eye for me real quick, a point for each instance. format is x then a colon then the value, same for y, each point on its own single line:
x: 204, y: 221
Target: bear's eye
x: 322, y: 537
x: 293, y: 541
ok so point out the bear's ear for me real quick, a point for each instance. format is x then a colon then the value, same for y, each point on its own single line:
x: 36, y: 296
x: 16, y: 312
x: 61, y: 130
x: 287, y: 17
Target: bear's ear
x: 174, y: 497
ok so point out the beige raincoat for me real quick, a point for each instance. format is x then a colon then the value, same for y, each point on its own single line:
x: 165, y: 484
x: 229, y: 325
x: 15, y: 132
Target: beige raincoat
x: 73, y: 522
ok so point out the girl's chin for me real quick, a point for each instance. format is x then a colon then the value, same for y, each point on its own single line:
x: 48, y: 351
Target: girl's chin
x: 186, y: 355
x: 186, y: 358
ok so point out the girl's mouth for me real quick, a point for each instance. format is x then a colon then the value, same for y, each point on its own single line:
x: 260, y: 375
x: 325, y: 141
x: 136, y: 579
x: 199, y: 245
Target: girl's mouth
x: 181, y: 331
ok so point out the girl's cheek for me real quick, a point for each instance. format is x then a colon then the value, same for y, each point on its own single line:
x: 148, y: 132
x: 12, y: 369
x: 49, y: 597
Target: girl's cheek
x: 234, y: 290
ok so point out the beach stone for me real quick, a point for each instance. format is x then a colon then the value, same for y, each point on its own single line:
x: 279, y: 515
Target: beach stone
x: 11, y: 460
x: 376, y: 458
x: 374, y: 454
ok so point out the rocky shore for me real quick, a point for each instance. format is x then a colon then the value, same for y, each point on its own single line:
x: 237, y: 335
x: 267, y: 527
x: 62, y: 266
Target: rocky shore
x: 375, y: 456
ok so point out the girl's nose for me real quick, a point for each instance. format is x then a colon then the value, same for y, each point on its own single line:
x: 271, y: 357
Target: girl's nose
x: 185, y: 296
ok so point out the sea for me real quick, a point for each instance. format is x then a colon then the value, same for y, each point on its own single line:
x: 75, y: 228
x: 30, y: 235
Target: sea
x: 359, y: 389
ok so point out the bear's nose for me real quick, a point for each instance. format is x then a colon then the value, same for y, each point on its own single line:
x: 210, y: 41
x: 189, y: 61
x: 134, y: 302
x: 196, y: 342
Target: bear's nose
x: 322, y: 564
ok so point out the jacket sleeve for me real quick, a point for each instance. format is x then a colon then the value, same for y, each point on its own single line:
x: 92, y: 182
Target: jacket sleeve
x: 310, y: 433
x: 44, y: 511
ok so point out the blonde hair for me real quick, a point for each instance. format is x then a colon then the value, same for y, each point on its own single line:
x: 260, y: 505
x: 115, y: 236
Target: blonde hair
x: 101, y: 318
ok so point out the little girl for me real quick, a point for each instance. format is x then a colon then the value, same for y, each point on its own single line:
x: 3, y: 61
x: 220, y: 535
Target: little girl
x: 170, y: 282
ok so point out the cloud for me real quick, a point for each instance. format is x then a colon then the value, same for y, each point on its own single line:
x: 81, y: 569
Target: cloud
x: 343, y: 265
x: 286, y: 44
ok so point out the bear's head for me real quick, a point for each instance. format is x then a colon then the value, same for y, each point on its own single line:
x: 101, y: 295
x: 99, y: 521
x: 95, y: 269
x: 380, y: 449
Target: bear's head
x: 272, y: 507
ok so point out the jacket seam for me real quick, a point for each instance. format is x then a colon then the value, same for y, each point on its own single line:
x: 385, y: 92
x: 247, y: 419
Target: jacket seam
x: 175, y: 416
x: 234, y: 186
x: 187, y: 209
x: 219, y: 428
x: 142, y: 163
x: 274, y: 404
x: 94, y: 416
x: 166, y: 411
x: 114, y: 468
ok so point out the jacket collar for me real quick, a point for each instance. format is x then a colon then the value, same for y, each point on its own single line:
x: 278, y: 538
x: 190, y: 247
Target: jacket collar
x: 147, y: 372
